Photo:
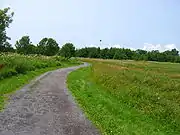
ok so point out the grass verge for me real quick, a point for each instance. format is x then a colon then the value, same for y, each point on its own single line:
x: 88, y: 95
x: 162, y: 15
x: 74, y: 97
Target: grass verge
x: 112, y: 115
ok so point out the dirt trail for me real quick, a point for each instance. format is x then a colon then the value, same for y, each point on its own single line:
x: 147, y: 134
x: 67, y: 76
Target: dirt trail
x: 45, y: 107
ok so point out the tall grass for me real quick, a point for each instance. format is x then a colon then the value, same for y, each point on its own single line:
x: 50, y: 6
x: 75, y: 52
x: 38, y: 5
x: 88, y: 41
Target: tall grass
x: 14, y: 64
x: 150, y: 88
x: 151, y: 92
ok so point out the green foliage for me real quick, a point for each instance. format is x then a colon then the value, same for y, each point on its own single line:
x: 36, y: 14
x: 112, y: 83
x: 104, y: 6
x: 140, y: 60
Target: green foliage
x: 42, y: 46
x: 5, y: 20
x: 48, y: 47
x: 14, y: 64
x: 67, y: 50
x: 17, y: 70
x: 133, y: 97
x: 104, y: 53
x: 25, y: 46
x: 90, y: 52
x: 6, y: 47
x: 7, y: 72
x: 123, y: 54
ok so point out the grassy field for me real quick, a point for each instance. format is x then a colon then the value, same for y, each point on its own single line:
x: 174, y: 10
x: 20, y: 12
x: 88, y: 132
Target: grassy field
x: 129, y: 97
x: 17, y: 70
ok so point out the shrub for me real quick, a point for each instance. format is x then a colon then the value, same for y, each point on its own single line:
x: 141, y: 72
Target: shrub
x: 7, y: 72
x: 12, y: 64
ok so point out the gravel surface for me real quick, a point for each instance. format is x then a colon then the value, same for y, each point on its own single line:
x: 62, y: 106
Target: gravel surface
x: 45, y: 107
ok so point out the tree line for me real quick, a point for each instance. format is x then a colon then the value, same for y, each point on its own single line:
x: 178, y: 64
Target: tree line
x: 128, y: 54
x: 49, y: 47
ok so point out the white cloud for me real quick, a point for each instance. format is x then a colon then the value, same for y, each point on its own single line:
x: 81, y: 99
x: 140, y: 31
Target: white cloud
x: 161, y: 48
x: 117, y: 46
x: 133, y: 49
x: 102, y: 46
x: 170, y: 46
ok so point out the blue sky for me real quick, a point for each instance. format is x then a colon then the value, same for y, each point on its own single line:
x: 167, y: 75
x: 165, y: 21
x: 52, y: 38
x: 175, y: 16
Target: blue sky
x: 148, y: 24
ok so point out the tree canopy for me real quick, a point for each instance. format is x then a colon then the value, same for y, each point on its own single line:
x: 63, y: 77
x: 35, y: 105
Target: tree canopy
x: 5, y: 20
x: 127, y: 54
x: 48, y: 46
x: 25, y: 46
x: 67, y: 50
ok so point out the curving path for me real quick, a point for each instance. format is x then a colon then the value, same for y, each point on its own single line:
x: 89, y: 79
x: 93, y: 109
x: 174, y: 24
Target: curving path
x: 45, y: 107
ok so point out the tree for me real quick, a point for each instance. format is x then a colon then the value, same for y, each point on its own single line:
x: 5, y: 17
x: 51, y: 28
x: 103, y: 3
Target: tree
x: 122, y: 53
x: 48, y: 46
x: 25, y: 46
x: 93, y: 52
x: 5, y: 20
x: 8, y: 47
x: 32, y: 49
x: 104, y: 53
x: 129, y: 53
x: 173, y: 52
x: 83, y: 52
x: 112, y: 52
x: 67, y: 50
x: 42, y: 46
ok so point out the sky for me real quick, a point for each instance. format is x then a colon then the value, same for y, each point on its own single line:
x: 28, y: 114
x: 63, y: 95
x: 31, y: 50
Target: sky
x: 135, y: 24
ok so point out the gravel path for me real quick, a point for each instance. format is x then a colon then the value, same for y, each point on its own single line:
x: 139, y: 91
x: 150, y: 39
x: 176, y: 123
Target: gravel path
x: 45, y: 107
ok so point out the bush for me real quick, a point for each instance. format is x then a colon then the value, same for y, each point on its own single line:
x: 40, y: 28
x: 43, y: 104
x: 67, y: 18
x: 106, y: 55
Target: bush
x: 21, y: 68
x: 20, y: 64
x: 62, y: 59
x: 7, y: 72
